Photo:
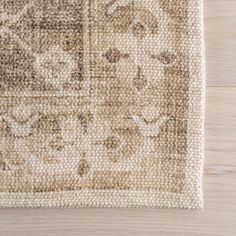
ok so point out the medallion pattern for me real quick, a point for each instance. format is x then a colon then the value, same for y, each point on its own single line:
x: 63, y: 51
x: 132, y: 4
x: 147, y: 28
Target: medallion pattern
x: 129, y: 131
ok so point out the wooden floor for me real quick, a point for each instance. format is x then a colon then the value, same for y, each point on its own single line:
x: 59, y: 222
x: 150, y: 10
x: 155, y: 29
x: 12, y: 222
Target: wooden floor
x: 219, y: 216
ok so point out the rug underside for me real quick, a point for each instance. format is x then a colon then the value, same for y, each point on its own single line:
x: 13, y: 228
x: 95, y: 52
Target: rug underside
x: 101, y: 103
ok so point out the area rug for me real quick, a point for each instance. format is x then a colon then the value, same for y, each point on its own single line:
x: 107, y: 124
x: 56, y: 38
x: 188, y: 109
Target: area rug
x: 101, y: 103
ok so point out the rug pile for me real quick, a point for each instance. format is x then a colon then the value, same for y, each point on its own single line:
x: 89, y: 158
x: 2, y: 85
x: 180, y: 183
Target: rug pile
x: 101, y: 103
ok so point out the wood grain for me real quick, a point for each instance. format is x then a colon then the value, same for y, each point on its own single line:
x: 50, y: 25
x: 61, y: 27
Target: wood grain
x: 220, y: 35
x: 219, y: 216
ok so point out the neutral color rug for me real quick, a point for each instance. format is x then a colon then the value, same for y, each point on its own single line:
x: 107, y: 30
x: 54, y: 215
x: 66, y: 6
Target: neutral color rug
x: 101, y: 103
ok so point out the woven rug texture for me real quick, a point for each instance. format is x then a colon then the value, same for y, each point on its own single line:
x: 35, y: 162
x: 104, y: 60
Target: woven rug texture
x: 101, y: 103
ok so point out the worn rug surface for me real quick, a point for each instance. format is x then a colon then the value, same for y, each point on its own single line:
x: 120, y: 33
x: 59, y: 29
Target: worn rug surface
x: 101, y: 103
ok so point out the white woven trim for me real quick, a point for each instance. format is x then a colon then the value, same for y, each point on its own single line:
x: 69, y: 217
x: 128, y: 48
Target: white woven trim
x: 98, y: 198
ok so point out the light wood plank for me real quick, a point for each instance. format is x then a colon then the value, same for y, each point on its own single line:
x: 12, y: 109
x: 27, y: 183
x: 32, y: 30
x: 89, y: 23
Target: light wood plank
x: 220, y: 39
